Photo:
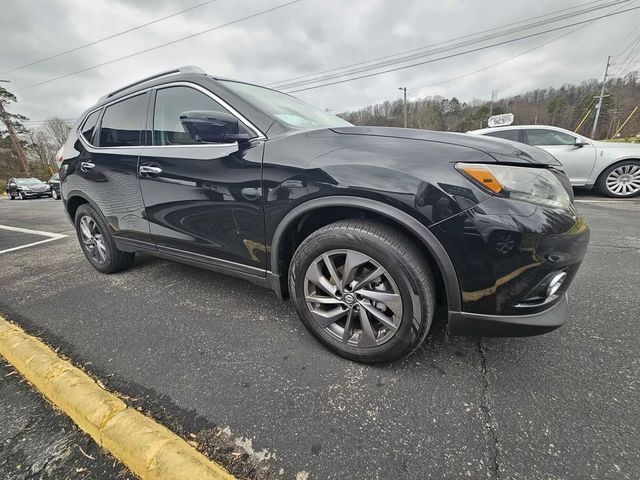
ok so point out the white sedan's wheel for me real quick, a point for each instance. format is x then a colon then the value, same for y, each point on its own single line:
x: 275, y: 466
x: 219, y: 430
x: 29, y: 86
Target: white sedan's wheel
x: 621, y: 180
x: 624, y: 180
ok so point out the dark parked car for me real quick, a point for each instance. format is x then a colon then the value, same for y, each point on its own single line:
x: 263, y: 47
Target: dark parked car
x: 368, y: 230
x: 54, y: 184
x: 24, y: 188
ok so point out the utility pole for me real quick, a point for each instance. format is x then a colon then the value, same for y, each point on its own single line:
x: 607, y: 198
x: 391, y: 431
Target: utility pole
x: 14, y: 138
x: 600, y: 97
x: 494, y: 94
x: 404, y: 89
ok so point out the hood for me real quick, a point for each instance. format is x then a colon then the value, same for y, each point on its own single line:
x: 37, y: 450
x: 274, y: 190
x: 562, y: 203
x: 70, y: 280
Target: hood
x: 503, y: 151
x: 616, y: 145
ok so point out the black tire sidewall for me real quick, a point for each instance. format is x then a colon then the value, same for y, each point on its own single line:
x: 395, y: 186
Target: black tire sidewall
x: 404, y: 341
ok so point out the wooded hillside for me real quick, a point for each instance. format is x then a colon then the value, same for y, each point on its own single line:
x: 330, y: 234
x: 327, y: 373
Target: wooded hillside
x: 563, y: 107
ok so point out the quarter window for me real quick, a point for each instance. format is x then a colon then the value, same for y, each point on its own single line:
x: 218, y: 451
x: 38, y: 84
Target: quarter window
x: 89, y: 125
x: 539, y: 137
x: 122, y: 123
x: 513, y: 135
x: 170, y: 103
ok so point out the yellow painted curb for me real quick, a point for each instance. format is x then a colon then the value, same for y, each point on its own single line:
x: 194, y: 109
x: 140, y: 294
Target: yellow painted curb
x: 147, y: 448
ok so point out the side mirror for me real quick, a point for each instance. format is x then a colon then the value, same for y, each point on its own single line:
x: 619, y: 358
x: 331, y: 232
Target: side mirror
x: 579, y: 143
x: 212, y: 127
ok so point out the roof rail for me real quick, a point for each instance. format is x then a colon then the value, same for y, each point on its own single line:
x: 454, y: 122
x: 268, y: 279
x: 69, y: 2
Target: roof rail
x: 185, y: 69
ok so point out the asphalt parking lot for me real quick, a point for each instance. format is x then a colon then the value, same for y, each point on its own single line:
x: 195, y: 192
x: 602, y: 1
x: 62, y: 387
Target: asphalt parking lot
x: 202, y: 350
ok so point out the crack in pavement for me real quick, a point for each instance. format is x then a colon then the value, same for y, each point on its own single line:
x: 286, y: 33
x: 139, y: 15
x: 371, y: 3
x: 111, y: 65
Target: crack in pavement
x: 490, y: 425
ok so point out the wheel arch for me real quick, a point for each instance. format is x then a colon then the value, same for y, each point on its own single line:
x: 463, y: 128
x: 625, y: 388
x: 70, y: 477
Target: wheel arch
x: 73, y: 202
x: 316, y: 213
x: 598, y: 175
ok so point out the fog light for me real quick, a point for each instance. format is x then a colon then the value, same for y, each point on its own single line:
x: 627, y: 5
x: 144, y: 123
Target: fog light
x: 556, y: 283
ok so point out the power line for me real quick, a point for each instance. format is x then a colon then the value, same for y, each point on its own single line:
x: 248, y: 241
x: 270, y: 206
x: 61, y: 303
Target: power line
x: 634, y: 49
x: 109, y: 37
x: 488, y: 67
x: 140, y: 52
x: 498, y: 63
x: 485, y: 47
x: 403, y: 57
x: 286, y: 81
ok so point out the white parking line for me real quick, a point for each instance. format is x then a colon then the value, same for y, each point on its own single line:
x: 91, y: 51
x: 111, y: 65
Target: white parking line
x: 632, y: 202
x: 51, y: 237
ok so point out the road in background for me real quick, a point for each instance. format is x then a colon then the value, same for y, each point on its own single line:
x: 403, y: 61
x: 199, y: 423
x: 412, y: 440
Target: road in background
x: 201, y: 349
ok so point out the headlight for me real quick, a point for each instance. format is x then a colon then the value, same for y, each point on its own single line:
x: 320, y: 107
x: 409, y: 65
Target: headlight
x: 25, y: 188
x: 534, y: 185
x: 47, y: 187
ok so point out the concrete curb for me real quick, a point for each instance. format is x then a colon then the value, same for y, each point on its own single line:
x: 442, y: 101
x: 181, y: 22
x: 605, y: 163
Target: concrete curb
x: 150, y: 450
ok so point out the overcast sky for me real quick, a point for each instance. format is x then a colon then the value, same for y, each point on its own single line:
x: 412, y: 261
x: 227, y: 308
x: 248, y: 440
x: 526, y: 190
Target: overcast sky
x: 303, y: 38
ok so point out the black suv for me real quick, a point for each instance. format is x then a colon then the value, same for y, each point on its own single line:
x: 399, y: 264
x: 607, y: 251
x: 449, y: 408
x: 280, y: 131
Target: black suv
x: 368, y: 230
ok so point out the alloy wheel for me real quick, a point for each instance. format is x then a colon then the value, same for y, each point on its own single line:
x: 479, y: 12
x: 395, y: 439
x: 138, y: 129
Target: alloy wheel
x: 92, y: 239
x: 353, y: 298
x: 624, y: 180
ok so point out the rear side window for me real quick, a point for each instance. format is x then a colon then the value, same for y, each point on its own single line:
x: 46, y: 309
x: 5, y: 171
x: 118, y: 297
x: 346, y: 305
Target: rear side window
x: 89, y: 126
x: 513, y: 135
x: 549, y: 137
x: 122, y: 122
x: 170, y: 103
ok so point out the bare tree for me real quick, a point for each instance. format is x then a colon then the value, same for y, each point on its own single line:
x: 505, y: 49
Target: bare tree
x: 58, y: 130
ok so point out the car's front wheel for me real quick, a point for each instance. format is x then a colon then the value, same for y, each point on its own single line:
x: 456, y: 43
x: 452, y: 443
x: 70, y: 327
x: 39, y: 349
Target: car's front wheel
x: 54, y: 195
x: 21, y: 196
x: 97, y: 243
x: 363, y: 289
x: 620, y: 180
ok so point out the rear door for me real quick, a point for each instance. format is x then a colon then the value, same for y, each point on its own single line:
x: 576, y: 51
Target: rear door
x: 577, y: 161
x: 205, y: 201
x: 109, y: 167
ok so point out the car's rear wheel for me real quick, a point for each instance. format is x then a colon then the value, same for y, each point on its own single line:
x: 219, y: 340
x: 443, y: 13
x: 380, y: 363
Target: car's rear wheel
x: 97, y: 243
x: 363, y: 289
x: 620, y: 180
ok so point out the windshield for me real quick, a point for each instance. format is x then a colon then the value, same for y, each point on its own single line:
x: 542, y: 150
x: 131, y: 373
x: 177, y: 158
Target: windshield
x: 285, y: 108
x: 28, y: 181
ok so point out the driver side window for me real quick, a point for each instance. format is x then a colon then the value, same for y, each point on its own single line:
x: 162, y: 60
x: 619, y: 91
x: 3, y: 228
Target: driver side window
x: 541, y: 137
x: 170, y: 103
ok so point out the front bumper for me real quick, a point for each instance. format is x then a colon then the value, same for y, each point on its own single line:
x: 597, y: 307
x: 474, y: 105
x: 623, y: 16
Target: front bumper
x: 506, y: 254
x: 478, y: 324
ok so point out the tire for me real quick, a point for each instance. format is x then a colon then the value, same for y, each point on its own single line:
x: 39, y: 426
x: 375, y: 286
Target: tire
x: 55, y: 195
x: 97, y: 243
x: 405, y: 283
x: 621, y: 180
x: 21, y: 196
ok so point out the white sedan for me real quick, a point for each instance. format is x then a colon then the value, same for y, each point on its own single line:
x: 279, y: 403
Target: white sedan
x: 612, y: 168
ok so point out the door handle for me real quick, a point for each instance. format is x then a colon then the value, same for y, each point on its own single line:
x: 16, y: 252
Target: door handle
x: 149, y: 170
x: 86, y: 166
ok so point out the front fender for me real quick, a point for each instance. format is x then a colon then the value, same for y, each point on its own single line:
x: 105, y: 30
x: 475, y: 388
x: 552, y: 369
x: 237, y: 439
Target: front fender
x: 426, y: 238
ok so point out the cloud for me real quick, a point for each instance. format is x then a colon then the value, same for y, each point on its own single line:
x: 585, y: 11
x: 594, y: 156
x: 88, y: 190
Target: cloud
x: 303, y: 38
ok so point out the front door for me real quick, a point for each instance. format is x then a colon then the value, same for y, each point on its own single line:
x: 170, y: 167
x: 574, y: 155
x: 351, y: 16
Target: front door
x: 203, y: 201
x: 577, y: 161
